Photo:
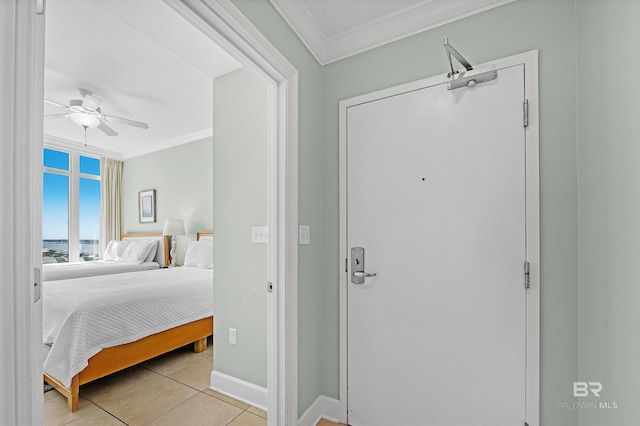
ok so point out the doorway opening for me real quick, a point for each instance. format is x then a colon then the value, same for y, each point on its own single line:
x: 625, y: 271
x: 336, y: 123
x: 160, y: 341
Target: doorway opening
x: 224, y: 24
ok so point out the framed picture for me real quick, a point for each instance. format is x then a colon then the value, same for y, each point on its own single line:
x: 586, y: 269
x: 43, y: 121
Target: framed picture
x: 147, y: 206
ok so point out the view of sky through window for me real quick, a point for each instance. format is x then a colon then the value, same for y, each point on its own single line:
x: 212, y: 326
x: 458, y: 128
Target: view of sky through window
x: 57, y: 190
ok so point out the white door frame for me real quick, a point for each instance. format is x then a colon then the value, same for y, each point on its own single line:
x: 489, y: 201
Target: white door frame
x: 530, y: 60
x: 21, y: 124
x: 22, y: 115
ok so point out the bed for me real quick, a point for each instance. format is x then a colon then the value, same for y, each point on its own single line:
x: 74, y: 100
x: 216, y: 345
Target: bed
x: 159, y: 257
x: 95, y: 326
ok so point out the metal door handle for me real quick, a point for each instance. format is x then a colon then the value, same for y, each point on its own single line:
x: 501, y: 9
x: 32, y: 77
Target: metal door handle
x: 364, y: 274
x: 357, y: 266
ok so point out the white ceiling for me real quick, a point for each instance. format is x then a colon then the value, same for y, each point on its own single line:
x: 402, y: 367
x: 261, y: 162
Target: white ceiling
x: 143, y: 60
x: 336, y: 29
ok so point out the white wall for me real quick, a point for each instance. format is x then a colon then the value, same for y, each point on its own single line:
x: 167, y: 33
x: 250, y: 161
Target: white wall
x: 183, y: 179
x: 240, y: 111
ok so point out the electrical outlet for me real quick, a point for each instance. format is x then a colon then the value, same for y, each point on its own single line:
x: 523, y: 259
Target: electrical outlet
x: 232, y: 336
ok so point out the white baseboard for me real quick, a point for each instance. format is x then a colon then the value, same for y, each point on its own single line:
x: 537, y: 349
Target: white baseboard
x: 239, y: 389
x: 322, y: 408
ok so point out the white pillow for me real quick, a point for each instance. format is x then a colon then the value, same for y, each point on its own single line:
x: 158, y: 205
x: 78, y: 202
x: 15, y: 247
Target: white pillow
x: 154, y: 250
x: 115, y: 249
x: 199, y: 254
x: 122, y: 247
x: 137, y: 251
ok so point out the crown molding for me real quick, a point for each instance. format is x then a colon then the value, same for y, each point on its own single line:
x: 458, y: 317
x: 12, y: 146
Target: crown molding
x: 423, y: 16
x: 61, y: 143
x: 170, y: 143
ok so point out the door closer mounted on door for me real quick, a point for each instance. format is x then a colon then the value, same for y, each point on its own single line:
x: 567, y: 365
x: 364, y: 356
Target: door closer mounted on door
x: 469, y: 77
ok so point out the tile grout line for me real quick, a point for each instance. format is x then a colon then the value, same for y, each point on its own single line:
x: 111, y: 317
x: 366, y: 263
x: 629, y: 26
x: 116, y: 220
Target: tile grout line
x: 161, y: 375
x: 113, y: 415
x: 167, y: 412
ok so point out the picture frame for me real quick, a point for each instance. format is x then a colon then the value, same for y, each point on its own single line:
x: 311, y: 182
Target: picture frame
x: 147, y: 206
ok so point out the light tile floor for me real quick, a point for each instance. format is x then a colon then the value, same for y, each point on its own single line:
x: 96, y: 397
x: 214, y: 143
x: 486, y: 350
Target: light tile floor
x: 325, y: 422
x: 168, y: 390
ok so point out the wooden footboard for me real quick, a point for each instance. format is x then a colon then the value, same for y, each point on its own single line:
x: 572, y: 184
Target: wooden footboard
x: 110, y: 360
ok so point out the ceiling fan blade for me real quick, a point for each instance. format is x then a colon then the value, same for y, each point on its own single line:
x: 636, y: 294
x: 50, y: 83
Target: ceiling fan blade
x: 56, y: 104
x: 128, y: 122
x: 90, y: 102
x: 63, y: 115
x: 106, y: 129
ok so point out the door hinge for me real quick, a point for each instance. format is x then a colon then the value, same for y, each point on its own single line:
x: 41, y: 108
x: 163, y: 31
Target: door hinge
x: 525, y: 111
x: 527, y: 281
x: 269, y: 287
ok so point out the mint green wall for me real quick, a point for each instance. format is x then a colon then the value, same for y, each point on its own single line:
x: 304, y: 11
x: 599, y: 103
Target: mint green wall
x: 240, y: 116
x: 183, y: 179
x: 312, y: 318
x: 548, y: 26
x: 609, y: 194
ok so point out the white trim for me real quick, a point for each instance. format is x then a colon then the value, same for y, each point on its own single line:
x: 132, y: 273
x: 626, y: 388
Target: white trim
x: 322, y: 408
x: 530, y: 61
x: 67, y: 145
x: 170, y: 143
x: 239, y: 389
x: 532, y: 137
x: 221, y: 21
x: 21, y: 124
x: 403, y: 23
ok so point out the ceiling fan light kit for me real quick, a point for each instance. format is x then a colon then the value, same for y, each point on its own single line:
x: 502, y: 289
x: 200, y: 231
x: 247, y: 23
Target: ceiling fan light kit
x: 86, y: 113
x: 84, y: 119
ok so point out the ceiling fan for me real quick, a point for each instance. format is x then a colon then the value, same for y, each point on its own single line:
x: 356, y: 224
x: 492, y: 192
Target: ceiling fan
x: 87, y: 114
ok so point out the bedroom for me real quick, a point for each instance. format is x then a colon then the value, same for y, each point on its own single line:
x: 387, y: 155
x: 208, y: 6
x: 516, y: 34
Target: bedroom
x: 194, y: 179
x: 589, y: 214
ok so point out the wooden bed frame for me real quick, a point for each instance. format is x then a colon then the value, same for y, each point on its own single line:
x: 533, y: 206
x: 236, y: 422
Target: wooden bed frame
x: 116, y: 358
x: 203, y: 234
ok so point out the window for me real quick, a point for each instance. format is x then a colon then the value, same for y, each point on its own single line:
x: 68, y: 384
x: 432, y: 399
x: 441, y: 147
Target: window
x: 70, y: 207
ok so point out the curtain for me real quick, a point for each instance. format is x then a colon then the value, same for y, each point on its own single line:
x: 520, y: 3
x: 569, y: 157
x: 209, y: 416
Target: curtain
x: 111, y: 217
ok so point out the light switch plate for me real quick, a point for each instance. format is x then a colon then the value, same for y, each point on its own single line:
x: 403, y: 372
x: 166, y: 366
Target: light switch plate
x: 260, y: 234
x: 304, y: 235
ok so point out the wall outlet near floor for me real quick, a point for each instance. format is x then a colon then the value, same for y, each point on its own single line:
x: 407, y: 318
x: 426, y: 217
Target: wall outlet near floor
x: 260, y: 234
x: 232, y: 336
x: 304, y: 234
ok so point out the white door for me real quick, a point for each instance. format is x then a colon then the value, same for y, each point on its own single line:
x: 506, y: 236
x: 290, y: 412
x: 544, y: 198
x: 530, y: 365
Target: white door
x: 436, y: 198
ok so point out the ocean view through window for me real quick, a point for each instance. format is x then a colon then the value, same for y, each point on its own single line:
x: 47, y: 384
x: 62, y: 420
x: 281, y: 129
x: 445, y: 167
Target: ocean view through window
x: 70, y: 207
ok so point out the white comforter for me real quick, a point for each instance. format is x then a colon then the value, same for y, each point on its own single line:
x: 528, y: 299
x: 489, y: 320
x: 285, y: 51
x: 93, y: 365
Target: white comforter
x: 81, y: 316
x: 64, y: 271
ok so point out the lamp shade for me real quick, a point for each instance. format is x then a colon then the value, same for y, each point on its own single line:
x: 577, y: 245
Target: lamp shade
x: 173, y: 227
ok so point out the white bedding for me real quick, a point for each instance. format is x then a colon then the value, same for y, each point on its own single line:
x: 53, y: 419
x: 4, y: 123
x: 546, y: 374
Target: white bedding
x: 64, y: 271
x: 82, y: 316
